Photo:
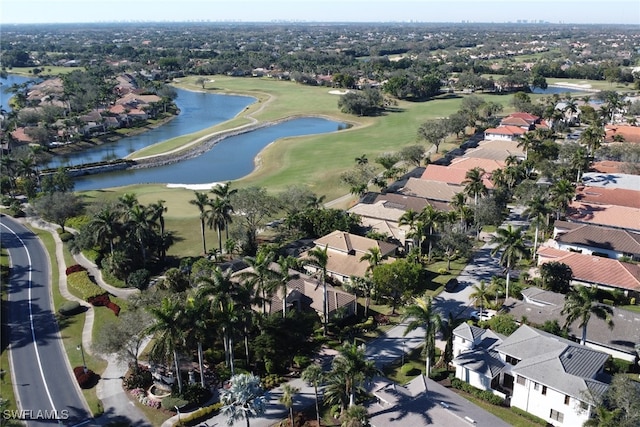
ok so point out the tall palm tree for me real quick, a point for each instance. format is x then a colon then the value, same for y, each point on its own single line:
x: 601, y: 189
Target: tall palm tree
x: 561, y: 194
x: 409, y: 218
x: 224, y: 191
x: 244, y: 399
x: 353, y: 368
x: 592, y: 137
x: 141, y: 227
x: 497, y: 287
x: 528, y: 141
x: 196, y: 326
x: 320, y: 258
x: 474, y: 185
x: 284, y: 276
x: 260, y: 276
x: 431, y: 219
x: 201, y: 201
x: 538, y: 212
x: 480, y: 293
x: 105, y: 226
x: 373, y: 256
x: 579, y: 304
x: 157, y: 211
x: 217, y: 217
x: 314, y: 375
x: 511, y: 242
x: 288, y: 392
x: 421, y: 314
x: 167, y: 332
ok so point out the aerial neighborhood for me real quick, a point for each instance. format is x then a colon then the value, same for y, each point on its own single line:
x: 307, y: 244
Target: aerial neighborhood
x: 302, y: 224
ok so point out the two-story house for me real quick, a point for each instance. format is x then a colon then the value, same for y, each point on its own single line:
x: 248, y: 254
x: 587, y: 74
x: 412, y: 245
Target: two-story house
x: 545, y: 375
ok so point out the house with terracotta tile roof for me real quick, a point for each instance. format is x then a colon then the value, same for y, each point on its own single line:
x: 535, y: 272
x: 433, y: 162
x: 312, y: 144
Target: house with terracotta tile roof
x: 596, y: 240
x: 607, y: 166
x: 608, y: 196
x: 430, y: 189
x: 306, y: 292
x: 455, y: 173
x: 344, y: 251
x: 496, y: 149
x: 542, y: 374
x: 510, y: 133
x: 606, y: 215
x: 622, y: 134
x: 589, y: 270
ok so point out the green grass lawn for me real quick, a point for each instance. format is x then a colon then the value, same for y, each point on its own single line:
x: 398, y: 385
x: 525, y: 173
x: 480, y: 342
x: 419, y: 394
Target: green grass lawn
x: 46, y: 71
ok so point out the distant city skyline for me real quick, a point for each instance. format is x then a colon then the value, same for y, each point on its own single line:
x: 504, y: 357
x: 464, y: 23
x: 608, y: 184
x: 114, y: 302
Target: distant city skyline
x: 455, y: 11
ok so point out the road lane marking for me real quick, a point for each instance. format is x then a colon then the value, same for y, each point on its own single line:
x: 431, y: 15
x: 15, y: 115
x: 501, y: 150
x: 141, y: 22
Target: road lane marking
x: 33, y: 331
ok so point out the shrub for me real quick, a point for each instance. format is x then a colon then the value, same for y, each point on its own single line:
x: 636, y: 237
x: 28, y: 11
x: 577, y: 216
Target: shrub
x: 302, y: 361
x: 139, y: 279
x: 66, y: 236
x: 485, y: 395
x: 85, y: 379
x: 69, y: 308
x: 272, y: 381
x: 104, y: 301
x: 529, y: 416
x: 619, y: 366
x: 170, y: 403
x: 81, y: 286
x: 195, y: 393
x: 143, y: 398
x: 138, y: 379
x: 74, y: 269
x: 197, y: 416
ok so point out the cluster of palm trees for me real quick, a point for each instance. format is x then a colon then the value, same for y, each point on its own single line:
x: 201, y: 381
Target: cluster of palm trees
x: 215, y: 212
x: 127, y: 234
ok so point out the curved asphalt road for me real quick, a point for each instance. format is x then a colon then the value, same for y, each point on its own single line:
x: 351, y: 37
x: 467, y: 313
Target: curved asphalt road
x: 44, y: 386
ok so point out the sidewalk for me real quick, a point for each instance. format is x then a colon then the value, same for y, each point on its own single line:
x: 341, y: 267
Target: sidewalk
x: 116, y: 403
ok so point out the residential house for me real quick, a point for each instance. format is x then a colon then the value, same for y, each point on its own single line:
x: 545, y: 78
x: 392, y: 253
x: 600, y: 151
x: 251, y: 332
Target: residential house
x: 455, y: 173
x: 622, y: 133
x: 589, y: 270
x: 542, y: 374
x: 496, y: 149
x: 596, y: 240
x: 608, y: 196
x: 539, y: 305
x: 611, y: 180
x: 509, y: 133
x: 430, y: 189
x: 606, y: 215
x: 344, y: 251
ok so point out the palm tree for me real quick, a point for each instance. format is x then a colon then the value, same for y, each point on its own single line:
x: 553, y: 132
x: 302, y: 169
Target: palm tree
x: 421, y: 314
x: 243, y: 399
x: 167, y: 332
x: 528, y: 141
x: 511, y: 242
x: 320, y: 258
x: 225, y: 192
x: 374, y: 257
x: 288, y: 392
x: 140, y: 226
x: 592, y: 138
x: 431, y: 219
x: 217, y: 217
x: 362, y: 160
x: 353, y: 368
x: 579, y: 304
x: 157, y: 211
x: 497, y: 287
x: 474, y: 185
x: 285, y: 276
x: 409, y: 218
x: 366, y: 286
x: 355, y: 416
x: 201, y: 201
x: 196, y: 326
x: 480, y: 293
x: 105, y: 226
x: 260, y: 275
x: 314, y: 376
x: 538, y: 212
x: 562, y: 193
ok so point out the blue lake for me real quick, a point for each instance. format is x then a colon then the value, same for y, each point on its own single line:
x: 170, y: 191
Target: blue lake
x: 230, y: 159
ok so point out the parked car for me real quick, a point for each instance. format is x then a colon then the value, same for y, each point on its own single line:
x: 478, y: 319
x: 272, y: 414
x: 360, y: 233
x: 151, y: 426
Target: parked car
x: 451, y: 285
x: 483, y: 315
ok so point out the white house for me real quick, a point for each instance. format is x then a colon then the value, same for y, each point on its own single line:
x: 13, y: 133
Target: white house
x: 545, y: 375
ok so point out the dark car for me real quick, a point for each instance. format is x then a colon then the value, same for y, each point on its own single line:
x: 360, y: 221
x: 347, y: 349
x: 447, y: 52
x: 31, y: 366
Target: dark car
x: 451, y: 285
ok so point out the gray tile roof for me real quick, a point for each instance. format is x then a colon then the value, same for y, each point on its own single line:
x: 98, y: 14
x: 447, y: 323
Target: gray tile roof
x: 484, y: 362
x: 553, y: 361
x: 594, y: 236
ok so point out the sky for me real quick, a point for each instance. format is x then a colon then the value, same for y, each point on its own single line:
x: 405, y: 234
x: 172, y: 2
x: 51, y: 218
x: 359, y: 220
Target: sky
x: 497, y: 11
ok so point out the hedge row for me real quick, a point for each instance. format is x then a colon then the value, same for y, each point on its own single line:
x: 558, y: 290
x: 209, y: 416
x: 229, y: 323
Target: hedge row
x: 81, y: 286
x: 485, y: 395
x: 74, y: 269
x: 529, y: 416
x: 104, y: 301
x: 197, y: 416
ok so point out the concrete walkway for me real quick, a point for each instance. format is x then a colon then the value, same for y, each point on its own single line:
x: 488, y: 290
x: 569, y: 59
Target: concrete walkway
x: 115, y: 401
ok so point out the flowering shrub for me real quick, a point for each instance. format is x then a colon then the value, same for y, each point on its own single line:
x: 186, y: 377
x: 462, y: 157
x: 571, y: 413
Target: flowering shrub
x: 104, y: 301
x: 142, y: 397
x: 85, y: 379
x: 74, y: 269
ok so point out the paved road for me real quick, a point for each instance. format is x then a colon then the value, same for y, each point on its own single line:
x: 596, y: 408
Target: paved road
x: 44, y: 384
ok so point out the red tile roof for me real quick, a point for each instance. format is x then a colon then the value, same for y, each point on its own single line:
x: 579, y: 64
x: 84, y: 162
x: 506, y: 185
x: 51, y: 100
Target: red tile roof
x: 629, y: 133
x: 456, y: 172
x: 609, y: 196
x: 607, y: 166
x: 526, y: 116
x: 505, y: 130
x: 595, y: 270
x: 609, y: 215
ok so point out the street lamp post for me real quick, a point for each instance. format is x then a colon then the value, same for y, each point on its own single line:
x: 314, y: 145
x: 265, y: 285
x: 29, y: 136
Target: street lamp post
x: 84, y: 362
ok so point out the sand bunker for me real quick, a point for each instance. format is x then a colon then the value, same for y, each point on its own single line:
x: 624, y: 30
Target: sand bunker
x: 339, y: 92
x: 205, y: 186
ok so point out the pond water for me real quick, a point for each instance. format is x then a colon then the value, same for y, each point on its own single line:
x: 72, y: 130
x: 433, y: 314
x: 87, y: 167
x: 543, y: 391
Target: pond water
x: 550, y: 90
x: 230, y: 159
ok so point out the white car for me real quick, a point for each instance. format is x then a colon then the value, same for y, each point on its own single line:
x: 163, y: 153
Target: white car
x: 483, y: 315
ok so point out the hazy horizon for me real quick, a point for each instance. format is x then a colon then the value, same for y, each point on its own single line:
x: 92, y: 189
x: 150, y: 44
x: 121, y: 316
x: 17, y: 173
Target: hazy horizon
x: 620, y: 12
